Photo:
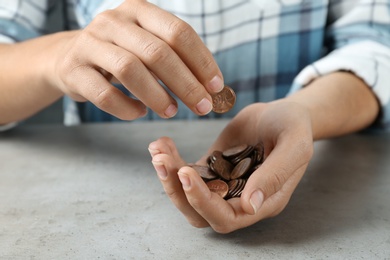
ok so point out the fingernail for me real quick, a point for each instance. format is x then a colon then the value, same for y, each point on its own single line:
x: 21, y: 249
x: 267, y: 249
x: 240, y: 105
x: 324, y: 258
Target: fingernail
x: 160, y: 169
x: 256, y: 200
x: 185, y: 181
x: 171, y: 111
x: 153, y: 152
x: 216, y: 84
x: 204, y: 106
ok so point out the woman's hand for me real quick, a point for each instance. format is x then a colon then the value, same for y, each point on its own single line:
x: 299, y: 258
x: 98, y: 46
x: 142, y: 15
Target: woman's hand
x: 285, y: 130
x: 137, y: 44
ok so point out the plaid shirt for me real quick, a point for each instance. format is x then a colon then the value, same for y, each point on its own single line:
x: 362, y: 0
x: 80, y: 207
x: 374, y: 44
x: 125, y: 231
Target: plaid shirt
x: 266, y: 49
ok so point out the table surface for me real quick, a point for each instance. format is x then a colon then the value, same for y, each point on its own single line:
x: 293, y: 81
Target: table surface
x: 90, y: 192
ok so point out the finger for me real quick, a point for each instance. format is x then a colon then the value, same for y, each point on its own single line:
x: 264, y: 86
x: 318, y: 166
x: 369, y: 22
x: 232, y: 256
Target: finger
x: 95, y: 88
x: 167, y: 165
x: 281, y: 166
x: 185, y: 41
x: 160, y: 58
x: 132, y: 73
x: 167, y: 146
x: 278, y: 201
x: 223, y: 216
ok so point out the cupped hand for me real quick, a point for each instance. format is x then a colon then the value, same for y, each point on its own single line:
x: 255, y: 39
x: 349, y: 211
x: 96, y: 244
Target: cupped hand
x: 137, y: 44
x: 285, y: 130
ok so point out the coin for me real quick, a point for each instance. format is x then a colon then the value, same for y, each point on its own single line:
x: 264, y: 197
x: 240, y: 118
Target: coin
x: 235, y: 188
x: 216, y: 154
x: 232, y: 167
x: 260, y: 153
x: 241, y: 168
x: 234, y: 151
x: 220, y: 166
x: 204, y: 171
x: 218, y: 186
x: 242, y: 155
x: 224, y: 100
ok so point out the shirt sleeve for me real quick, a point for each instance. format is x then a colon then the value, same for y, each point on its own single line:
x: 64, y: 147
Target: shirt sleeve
x: 19, y: 21
x: 358, y: 41
x: 22, y: 20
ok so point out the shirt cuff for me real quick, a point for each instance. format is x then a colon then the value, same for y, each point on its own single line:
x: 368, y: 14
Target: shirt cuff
x: 368, y: 60
x: 5, y: 39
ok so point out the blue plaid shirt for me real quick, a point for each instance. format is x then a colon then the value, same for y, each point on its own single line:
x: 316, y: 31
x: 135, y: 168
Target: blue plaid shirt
x: 266, y: 49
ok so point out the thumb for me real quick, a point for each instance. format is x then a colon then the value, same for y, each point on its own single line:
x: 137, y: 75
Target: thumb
x: 272, y: 175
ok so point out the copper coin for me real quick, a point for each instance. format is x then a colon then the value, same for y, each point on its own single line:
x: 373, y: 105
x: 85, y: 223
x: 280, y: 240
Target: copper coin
x: 224, y: 100
x: 204, y: 171
x: 218, y: 186
x: 242, y: 155
x: 222, y: 167
x: 241, y: 168
x: 240, y: 187
x: 234, y: 151
x: 260, y: 153
x: 216, y: 154
x: 235, y: 188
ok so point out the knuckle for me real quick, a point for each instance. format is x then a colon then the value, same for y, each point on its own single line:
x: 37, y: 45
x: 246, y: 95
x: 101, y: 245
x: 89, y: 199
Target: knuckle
x: 168, y: 142
x: 104, y: 18
x: 124, y: 66
x: 85, y: 39
x: 176, y: 198
x: 105, y: 98
x: 166, y: 139
x: 207, y: 64
x: 68, y: 64
x: 172, y: 194
x: 197, y: 223
x: 70, y: 70
x: 222, y: 229
x: 277, y: 180
x: 155, y: 52
x: 191, y: 91
x: 65, y: 67
x: 180, y: 32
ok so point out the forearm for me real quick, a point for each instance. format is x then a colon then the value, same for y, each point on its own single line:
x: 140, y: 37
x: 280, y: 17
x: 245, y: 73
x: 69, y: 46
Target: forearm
x: 25, y: 68
x: 338, y: 103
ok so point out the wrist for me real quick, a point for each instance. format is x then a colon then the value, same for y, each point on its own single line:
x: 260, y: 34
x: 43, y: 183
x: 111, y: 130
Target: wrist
x: 292, y: 114
x: 53, y: 55
x: 339, y: 103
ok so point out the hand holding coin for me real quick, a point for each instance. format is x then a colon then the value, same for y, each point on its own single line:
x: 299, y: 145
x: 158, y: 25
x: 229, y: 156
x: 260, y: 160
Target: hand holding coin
x: 227, y: 189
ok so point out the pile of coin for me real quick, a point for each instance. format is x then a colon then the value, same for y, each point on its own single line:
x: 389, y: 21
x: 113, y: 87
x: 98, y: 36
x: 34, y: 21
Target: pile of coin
x: 228, y: 171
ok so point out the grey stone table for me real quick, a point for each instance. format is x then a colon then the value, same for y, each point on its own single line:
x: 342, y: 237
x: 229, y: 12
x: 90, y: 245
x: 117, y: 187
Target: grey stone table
x: 90, y: 192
